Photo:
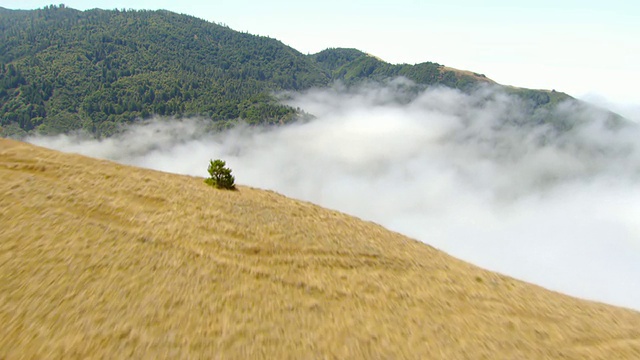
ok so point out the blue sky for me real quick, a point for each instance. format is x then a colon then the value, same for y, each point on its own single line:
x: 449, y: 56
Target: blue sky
x: 585, y: 48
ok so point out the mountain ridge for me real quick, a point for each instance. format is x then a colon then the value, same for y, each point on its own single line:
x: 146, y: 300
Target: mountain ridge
x: 62, y: 70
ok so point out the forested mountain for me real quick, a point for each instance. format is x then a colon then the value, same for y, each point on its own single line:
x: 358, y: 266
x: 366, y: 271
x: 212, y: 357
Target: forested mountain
x: 62, y: 69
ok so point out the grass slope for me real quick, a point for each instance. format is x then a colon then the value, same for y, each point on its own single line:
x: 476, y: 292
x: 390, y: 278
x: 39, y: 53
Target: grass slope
x: 109, y: 261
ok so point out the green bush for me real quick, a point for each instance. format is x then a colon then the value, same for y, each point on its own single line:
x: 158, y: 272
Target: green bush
x: 221, y: 177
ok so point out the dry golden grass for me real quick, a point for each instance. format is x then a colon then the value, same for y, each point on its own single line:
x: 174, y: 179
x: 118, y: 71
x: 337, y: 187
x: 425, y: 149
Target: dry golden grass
x: 475, y: 76
x: 109, y: 261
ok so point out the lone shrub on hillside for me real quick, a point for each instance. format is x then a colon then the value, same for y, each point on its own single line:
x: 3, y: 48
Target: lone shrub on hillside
x: 221, y: 177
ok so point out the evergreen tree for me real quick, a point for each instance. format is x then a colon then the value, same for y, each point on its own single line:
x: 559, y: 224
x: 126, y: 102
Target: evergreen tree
x: 221, y: 177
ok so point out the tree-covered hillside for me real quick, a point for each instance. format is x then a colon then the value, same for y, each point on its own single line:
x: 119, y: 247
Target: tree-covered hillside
x: 351, y: 65
x: 63, y: 69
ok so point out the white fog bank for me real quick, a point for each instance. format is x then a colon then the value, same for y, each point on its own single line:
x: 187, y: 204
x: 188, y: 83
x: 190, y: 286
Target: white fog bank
x: 474, y: 175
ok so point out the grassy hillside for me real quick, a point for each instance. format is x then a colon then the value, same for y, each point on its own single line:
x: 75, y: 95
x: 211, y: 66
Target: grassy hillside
x: 104, y: 260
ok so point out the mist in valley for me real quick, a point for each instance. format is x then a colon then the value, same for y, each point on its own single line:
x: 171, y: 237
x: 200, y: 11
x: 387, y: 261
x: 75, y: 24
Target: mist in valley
x: 480, y: 176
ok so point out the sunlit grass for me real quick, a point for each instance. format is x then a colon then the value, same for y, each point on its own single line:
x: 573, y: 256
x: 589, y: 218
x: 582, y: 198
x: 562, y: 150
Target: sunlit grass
x: 104, y: 260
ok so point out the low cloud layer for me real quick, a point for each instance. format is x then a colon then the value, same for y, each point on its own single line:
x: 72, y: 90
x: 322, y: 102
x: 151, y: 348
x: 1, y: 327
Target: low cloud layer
x: 477, y: 175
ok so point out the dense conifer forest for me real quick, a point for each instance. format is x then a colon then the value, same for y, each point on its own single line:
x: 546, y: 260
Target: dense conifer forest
x: 62, y: 69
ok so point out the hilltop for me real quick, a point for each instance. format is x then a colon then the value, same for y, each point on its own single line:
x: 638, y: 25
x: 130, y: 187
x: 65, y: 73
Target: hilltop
x: 62, y: 69
x: 99, y: 259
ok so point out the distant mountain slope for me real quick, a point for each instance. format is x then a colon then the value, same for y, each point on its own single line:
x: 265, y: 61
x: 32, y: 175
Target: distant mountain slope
x: 63, y: 69
x: 67, y: 69
x: 351, y: 65
x: 109, y: 261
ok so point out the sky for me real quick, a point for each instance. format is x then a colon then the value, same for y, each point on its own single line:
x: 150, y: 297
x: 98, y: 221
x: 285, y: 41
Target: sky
x: 588, y: 49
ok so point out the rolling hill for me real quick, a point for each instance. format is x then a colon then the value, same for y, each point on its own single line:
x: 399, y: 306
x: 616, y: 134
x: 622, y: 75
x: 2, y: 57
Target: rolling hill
x: 62, y: 69
x: 104, y: 260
